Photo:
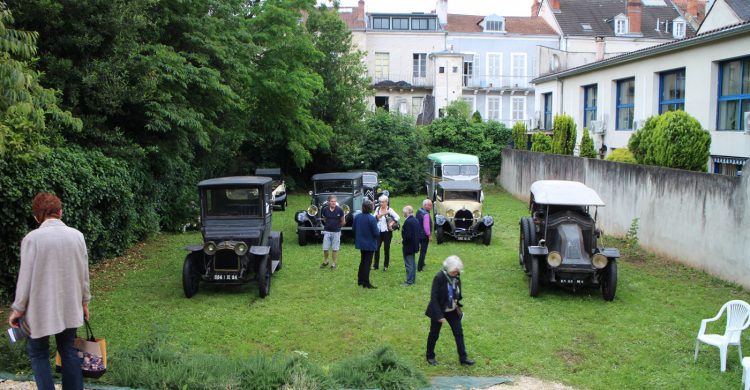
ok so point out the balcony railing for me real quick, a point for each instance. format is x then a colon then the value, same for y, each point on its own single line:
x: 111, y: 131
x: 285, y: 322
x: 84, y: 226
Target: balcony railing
x: 497, y: 82
x: 400, y: 81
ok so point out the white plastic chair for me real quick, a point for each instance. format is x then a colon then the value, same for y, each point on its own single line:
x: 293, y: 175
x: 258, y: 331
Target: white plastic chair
x: 746, y: 372
x: 738, y: 319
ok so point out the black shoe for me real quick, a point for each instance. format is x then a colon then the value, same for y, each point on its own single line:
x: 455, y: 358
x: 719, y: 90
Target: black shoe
x: 467, y: 362
x: 385, y: 269
x: 419, y: 269
x: 432, y: 362
x: 370, y: 286
x: 375, y: 267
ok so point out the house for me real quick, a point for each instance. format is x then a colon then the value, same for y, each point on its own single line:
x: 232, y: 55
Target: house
x: 725, y: 13
x: 706, y: 75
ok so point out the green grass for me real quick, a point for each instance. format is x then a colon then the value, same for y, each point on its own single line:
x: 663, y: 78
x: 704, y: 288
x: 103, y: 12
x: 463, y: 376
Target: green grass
x: 643, y: 339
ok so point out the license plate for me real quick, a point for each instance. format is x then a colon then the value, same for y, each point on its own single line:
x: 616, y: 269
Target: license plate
x: 463, y: 238
x: 225, y: 277
x: 571, y: 281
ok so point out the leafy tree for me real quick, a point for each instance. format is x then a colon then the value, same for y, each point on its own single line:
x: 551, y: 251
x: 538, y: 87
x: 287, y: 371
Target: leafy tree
x: 635, y: 142
x: 541, y: 142
x: 520, y: 138
x: 587, y: 145
x: 622, y: 155
x: 563, y: 135
x: 459, y: 109
x: 476, y: 117
x: 674, y: 140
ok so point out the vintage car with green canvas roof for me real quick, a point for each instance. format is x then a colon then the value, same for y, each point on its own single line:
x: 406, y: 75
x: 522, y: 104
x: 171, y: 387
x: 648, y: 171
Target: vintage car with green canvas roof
x: 444, y: 166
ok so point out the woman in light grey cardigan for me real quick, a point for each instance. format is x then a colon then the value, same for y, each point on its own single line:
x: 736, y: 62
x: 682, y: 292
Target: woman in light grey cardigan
x: 52, y: 293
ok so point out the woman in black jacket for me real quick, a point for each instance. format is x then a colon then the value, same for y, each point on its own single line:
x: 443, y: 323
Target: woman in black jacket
x: 445, y: 306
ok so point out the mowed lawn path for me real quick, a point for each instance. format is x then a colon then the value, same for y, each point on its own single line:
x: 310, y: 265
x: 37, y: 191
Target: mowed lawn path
x: 643, y: 339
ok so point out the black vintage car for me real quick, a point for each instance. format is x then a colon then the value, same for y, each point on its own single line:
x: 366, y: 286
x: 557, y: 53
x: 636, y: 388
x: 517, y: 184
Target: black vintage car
x: 238, y: 243
x: 278, y: 186
x: 558, y: 242
x: 347, y: 186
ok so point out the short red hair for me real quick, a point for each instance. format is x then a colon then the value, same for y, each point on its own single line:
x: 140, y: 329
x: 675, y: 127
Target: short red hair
x: 46, y: 205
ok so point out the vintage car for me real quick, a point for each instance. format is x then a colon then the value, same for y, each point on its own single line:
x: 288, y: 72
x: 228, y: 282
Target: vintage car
x: 347, y: 186
x: 558, y: 242
x: 446, y: 166
x: 278, y: 196
x: 238, y: 243
x: 458, y: 212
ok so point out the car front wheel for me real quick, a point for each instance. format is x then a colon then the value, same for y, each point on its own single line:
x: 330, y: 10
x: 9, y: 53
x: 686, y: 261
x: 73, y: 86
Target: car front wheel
x: 302, y: 237
x: 439, y: 237
x: 487, y: 237
x: 190, y: 277
x: 609, y: 281
x: 264, y: 277
x: 534, y: 278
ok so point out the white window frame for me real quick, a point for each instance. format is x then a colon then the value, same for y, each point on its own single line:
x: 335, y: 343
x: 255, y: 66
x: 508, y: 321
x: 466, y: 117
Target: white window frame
x: 678, y: 28
x: 421, y: 103
x: 518, y: 78
x: 621, y: 25
x: 494, y: 78
x: 513, y: 111
x: 474, y: 66
x: 382, y: 66
x: 472, y: 100
x: 499, y: 100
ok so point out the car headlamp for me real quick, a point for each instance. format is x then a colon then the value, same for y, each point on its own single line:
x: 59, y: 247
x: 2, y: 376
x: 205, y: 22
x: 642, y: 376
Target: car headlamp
x: 240, y: 249
x: 599, y: 261
x: 209, y: 248
x: 312, y: 210
x: 477, y: 214
x: 554, y: 259
x: 450, y: 213
x: 346, y: 209
x: 301, y: 217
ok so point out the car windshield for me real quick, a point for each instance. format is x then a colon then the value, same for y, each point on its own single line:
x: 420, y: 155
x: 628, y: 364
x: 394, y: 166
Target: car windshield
x: 232, y: 202
x: 329, y: 186
x: 461, y: 195
x: 460, y: 170
x: 370, y: 180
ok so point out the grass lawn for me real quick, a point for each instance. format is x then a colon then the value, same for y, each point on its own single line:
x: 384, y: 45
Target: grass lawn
x: 644, y: 339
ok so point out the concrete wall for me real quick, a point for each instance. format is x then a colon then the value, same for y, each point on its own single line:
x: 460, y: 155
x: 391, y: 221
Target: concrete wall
x: 701, y: 220
x: 720, y: 15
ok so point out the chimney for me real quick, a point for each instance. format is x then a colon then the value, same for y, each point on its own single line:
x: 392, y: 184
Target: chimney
x: 634, y: 15
x: 361, y: 11
x: 535, y: 8
x: 554, y: 4
x: 600, y: 48
x: 442, y: 11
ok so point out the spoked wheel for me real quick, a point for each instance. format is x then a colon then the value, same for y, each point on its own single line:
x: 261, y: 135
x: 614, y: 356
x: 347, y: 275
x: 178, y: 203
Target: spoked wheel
x: 534, y: 278
x: 264, y: 277
x: 439, y: 237
x: 190, y: 277
x: 609, y: 281
x: 487, y: 237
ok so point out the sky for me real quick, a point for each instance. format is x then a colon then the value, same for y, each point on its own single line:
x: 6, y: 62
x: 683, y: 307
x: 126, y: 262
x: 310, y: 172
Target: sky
x: 466, y: 7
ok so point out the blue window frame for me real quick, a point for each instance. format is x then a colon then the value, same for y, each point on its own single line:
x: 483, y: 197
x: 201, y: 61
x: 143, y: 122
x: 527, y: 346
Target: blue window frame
x: 547, y: 120
x: 625, y: 104
x: 589, y: 104
x: 672, y: 91
x: 734, y: 93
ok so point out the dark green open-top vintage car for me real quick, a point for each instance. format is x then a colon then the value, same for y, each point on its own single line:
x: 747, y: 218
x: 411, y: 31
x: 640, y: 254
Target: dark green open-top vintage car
x: 238, y: 243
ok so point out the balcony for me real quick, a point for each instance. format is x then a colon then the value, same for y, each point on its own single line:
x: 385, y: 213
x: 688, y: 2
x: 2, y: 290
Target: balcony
x: 400, y: 81
x: 520, y: 83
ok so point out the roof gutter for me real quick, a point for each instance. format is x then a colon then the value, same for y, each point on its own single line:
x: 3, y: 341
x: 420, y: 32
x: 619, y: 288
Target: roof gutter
x: 647, y: 52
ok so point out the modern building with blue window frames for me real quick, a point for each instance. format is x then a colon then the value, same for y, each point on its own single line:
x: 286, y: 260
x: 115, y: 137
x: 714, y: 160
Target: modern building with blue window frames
x: 672, y: 91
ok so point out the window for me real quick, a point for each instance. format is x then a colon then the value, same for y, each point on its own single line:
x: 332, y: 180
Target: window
x: 420, y: 65
x: 494, y: 68
x: 518, y: 108
x: 493, y: 108
x: 493, y: 25
x: 734, y: 93
x: 625, y: 104
x: 547, y: 102
x: 423, y: 24
x: 382, y: 65
x: 400, y: 23
x: 468, y: 70
x: 585, y: 27
x: 416, y: 105
x: 589, y: 105
x: 518, y: 69
x: 472, y: 102
x: 678, y: 28
x: 621, y: 25
x: 731, y: 166
x: 672, y: 91
x: 381, y: 23
x: 382, y: 102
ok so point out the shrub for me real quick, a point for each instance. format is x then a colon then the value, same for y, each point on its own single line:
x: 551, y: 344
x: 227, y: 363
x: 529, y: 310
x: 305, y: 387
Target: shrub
x: 622, y: 155
x: 458, y: 109
x: 674, y: 140
x: 587, y: 145
x: 476, y: 117
x: 382, y: 369
x: 520, y: 139
x: 541, y: 142
x: 563, y: 135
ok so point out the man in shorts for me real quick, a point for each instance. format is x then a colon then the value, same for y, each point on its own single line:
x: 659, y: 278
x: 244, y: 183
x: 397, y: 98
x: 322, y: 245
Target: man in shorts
x: 333, y: 220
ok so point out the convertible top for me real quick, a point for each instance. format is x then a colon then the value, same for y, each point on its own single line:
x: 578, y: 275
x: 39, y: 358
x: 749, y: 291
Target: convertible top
x: 234, y: 181
x: 337, y: 176
x: 564, y: 193
x: 273, y: 173
x: 460, y: 185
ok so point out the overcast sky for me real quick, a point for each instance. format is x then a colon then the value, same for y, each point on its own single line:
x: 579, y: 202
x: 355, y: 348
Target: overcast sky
x: 466, y: 7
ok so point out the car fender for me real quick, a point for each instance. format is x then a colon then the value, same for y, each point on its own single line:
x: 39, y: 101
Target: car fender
x: 194, y: 248
x: 610, y: 252
x: 488, y: 221
x: 538, y: 250
x: 260, y: 250
x: 440, y: 220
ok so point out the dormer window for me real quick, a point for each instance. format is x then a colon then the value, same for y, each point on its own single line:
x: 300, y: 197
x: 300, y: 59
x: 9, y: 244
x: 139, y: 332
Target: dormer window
x: 621, y: 24
x: 678, y: 28
x: 494, y: 23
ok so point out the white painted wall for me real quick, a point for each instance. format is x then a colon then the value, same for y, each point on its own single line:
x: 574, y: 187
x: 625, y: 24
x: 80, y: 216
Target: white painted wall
x: 448, y: 84
x: 701, y: 91
x: 720, y: 15
x: 401, y: 46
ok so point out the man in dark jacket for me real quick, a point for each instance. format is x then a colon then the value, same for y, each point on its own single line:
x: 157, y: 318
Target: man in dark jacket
x: 425, y: 235
x: 445, y: 306
x: 410, y: 239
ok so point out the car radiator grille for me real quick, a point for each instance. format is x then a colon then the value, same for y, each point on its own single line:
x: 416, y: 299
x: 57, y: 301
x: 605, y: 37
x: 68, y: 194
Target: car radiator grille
x: 226, y: 260
x: 463, y: 219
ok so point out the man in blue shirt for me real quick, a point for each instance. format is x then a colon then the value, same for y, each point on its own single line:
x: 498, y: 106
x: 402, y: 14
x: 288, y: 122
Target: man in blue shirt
x: 333, y: 220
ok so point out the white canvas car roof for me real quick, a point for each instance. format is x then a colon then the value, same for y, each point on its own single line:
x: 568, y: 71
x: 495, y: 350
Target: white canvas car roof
x: 565, y: 193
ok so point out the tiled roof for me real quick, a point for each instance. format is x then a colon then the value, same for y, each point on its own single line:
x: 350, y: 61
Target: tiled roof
x: 513, y: 25
x: 683, y: 6
x: 741, y: 8
x: 599, y: 13
x: 349, y: 16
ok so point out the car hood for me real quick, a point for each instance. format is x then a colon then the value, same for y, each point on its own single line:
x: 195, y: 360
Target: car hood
x: 342, y: 199
x: 459, y: 205
x: 218, y: 230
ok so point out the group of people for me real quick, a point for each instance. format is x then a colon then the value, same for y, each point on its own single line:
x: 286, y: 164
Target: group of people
x: 371, y: 231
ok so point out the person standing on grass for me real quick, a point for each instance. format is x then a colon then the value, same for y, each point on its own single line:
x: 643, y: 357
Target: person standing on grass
x: 445, y: 306
x: 366, y: 235
x: 383, y: 214
x: 52, y: 292
x: 425, y: 236
x: 410, y: 240
x: 333, y: 219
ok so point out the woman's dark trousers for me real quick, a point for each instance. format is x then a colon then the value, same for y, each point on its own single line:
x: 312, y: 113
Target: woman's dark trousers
x: 384, y: 238
x: 454, y: 320
x: 363, y: 276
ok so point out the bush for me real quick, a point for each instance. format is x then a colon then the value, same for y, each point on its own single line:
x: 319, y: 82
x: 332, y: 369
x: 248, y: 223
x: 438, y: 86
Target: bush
x: 476, y: 117
x: 520, y: 139
x: 382, y: 369
x: 541, y: 142
x: 563, y: 135
x: 622, y: 155
x: 587, y: 145
x: 674, y: 140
